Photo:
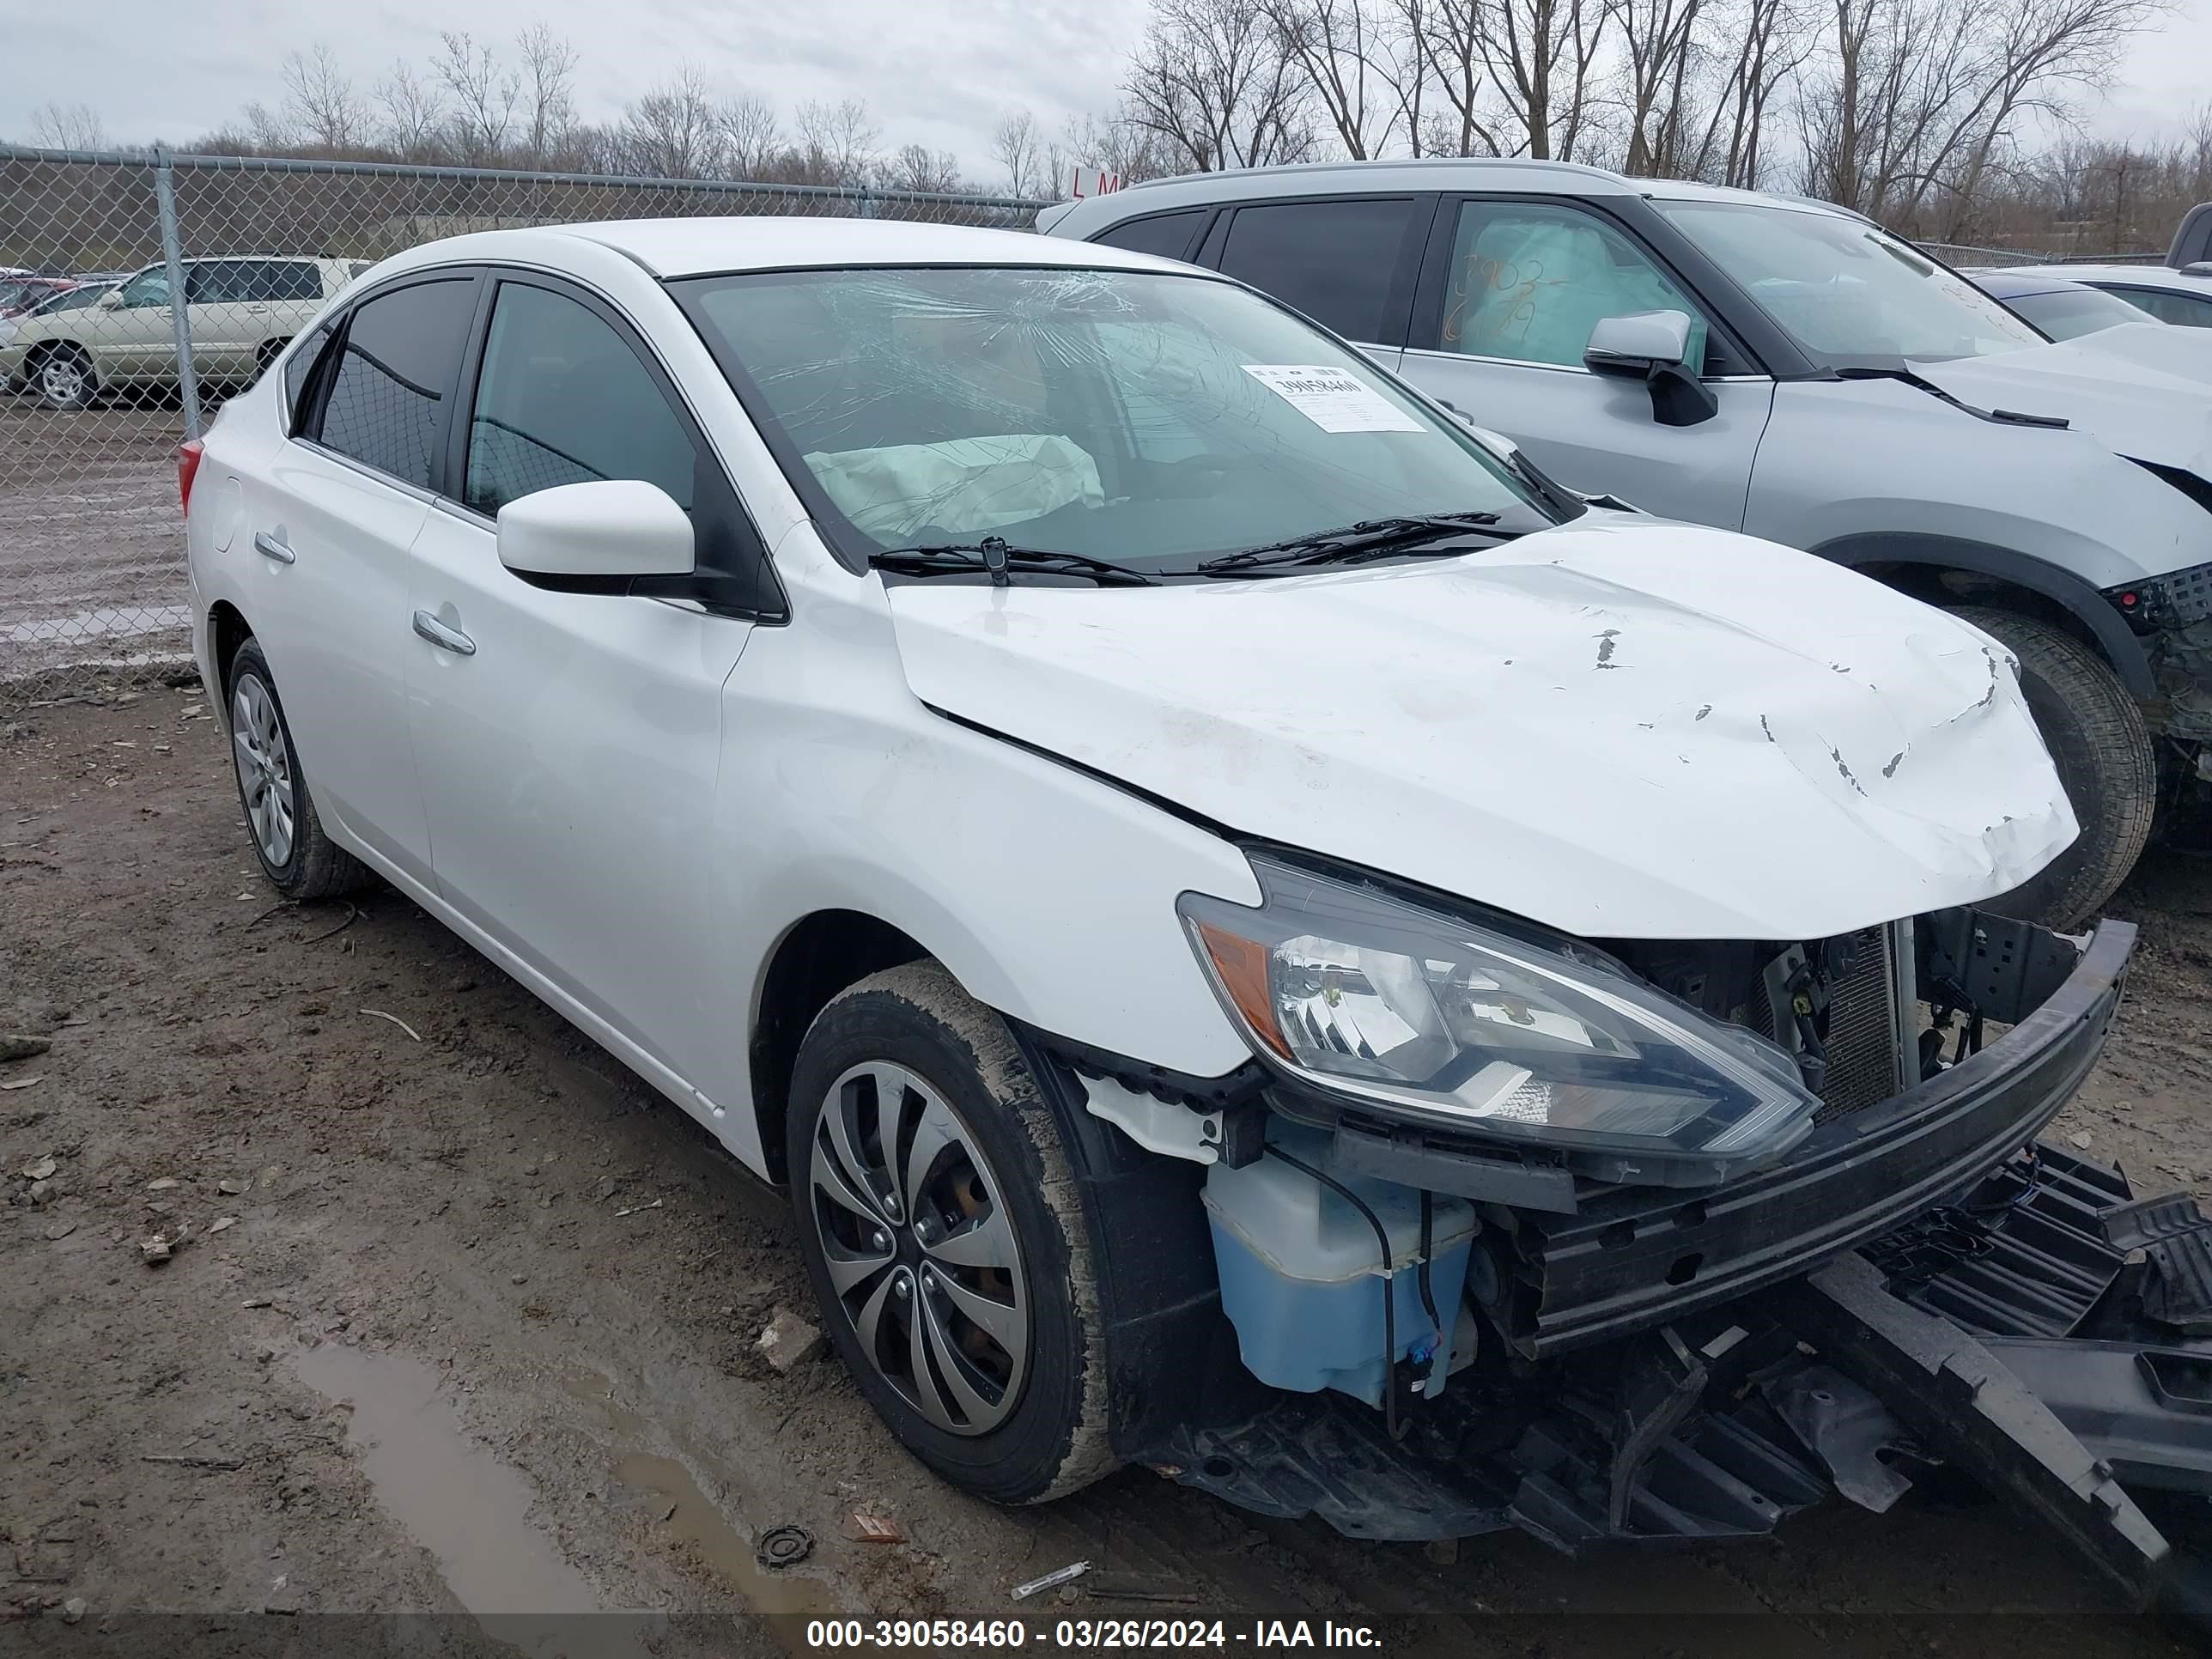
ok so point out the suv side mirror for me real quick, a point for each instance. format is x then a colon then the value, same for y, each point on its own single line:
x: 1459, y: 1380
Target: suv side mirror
x: 613, y: 528
x: 1653, y: 346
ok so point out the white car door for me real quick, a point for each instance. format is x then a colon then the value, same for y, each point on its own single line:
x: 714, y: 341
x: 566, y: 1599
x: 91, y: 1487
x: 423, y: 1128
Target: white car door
x: 332, y: 526
x: 1503, y: 342
x: 568, y: 734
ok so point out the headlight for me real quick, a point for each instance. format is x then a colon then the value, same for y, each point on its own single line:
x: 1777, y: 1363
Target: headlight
x: 1434, y: 1018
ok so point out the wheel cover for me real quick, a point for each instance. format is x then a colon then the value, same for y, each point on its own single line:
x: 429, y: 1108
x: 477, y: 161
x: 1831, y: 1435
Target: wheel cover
x: 61, y: 377
x: 264, y: 769
x: 921, y: 1248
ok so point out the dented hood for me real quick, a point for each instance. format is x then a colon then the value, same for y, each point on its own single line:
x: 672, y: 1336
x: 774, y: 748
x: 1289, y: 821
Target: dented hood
x: 1617, y: 728
x: 2143, y: 390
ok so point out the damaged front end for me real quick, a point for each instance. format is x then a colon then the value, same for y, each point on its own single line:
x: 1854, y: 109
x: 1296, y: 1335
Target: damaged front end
x: 1589, y: 1348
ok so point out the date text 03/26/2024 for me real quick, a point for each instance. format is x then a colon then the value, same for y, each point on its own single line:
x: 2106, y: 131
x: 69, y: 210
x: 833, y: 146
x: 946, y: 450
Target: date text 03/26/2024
x: 1008, y: 1635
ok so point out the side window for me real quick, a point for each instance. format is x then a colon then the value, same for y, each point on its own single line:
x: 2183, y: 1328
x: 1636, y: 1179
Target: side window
x: 562, y: 399
x: 297, y: 367
x: 2185, y: 310
x: 286, y: 279
x: 1331, y: 260
x: 216, y: 282
x: 1167, y: 235
x: 387, y: 402
x: 148, y: 287
x: 1529, y: 282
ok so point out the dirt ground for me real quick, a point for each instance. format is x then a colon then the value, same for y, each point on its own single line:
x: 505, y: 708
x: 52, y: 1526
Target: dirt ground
x: 465, y: 1318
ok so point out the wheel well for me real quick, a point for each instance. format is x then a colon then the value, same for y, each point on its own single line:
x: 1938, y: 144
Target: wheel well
x: 1937, y: 584
x: 45, y: 349
x: 227, y: 631
x: 819, y: 958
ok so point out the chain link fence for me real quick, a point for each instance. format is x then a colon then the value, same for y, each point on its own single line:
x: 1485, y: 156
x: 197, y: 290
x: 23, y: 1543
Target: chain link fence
x: 103, y: 372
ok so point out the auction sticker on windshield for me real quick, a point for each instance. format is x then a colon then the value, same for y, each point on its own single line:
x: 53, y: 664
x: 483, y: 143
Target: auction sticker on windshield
x: 1333, y: 400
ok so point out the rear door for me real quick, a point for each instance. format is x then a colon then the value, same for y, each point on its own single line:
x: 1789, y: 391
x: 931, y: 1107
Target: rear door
x: 1508, y: 295
x: 333, y: 526
x: 222, y: 316
x: 568, y: 734
x: 1348, y: 262
x: 136, y: 337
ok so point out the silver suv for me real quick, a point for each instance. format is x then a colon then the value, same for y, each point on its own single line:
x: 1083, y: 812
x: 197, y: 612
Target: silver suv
x: 241, y: 310
x: 1786, y: 368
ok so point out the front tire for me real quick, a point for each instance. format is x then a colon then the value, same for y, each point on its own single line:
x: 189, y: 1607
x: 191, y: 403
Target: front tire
x: 63, y: 377
x: 298, y: 859
x: 945, y: 1238
x: 2102, y: 749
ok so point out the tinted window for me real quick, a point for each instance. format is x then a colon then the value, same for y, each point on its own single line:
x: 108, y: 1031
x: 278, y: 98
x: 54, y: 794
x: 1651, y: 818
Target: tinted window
x: 1529, y: 282
x: 2184, y: 309
x: 563, y: 399
x: 1167, y: 235
x: 386, y: 401
x: 298, y: 367
x: 1331, y: 260
x: 2068, y: 313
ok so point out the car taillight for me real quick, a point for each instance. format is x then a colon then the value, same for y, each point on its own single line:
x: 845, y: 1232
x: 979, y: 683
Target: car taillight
x: 188, y: 468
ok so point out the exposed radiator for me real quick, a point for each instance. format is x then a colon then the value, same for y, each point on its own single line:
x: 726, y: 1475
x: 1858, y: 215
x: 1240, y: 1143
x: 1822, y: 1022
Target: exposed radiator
x: 1863, y: 1041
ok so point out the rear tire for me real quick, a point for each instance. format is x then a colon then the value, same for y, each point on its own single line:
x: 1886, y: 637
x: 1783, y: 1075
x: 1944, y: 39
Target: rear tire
x: 64, y: 379
x: 298, y: 859
x: 906, y: 1059
x: 2102, y: 749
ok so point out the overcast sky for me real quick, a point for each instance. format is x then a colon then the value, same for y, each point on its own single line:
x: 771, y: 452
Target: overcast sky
x: 934, y: 72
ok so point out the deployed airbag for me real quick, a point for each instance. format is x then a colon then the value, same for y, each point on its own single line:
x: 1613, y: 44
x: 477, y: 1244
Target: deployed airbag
x: 965, y: 486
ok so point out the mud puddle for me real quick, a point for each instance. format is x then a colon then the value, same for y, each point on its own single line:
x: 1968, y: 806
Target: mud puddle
x: 694, y: 1520
x: 469, y: 1509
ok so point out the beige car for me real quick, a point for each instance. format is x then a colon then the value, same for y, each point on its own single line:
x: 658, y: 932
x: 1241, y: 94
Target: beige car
x: 241, y: 309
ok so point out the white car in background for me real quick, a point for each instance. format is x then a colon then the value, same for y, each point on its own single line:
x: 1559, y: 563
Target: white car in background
x: 2183, y: 298
x: 242, y: 309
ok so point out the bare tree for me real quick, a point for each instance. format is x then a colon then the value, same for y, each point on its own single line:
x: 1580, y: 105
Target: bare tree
x: 1019, y: 148
x: 485, y: 93
x: 1213, y: 79
x: 1448, y: 37
x: 752, y: 137
x: 917, y: 168
x: 1771, y: 41
x: 67, y: 126
x: 837, y: 141
x: 1658, y: 40
x: 548, y: 77
x: 414, y: 114
x: 321, y: 108
x: 674, y: 130
x: 1352, y: 68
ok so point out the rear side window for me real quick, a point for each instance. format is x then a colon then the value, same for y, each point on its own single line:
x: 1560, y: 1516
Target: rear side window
x: 1167, y: 235
x: 387, y: 403
x: 1334, y: 261
x: 563, y: 399
x: 297, y: 367
x: 2185, y: 310
x: 284, y: 279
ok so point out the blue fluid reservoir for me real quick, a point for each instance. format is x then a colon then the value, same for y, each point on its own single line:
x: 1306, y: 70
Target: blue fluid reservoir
x: 1302, y: 1272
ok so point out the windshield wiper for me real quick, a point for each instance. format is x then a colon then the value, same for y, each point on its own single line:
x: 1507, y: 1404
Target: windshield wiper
x: 1371, y: 538
x: 1998, y: 417
x: 992, y: 556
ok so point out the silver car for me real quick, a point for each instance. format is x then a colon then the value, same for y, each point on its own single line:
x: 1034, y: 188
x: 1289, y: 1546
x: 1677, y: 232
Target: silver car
x: 1784, y: 367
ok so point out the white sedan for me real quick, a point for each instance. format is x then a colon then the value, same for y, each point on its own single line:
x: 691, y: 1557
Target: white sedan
x: 1004, y: 732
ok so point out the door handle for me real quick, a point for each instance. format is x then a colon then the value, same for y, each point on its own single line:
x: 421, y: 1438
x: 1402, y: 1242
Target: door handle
x: 449, y: 639
x: 273, y: 546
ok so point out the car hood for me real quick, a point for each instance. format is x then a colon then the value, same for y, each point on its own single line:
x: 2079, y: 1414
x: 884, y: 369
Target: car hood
x: 1620, y: 727
x: 2143, y: 390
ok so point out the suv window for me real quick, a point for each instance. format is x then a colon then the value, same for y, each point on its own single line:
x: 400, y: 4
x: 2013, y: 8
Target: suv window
x: 563, y: 399
x: 1334, y: 261
x: 1167, y: 235
x: 1529, y: 282
x: 217, y: 281
x: 386, y: 400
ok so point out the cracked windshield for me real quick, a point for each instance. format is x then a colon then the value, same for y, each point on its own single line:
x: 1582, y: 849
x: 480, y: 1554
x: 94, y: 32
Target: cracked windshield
x: 1148, y: 420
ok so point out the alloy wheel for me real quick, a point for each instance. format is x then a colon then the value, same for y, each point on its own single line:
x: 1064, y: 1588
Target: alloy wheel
x: 264, y: 769
x: 921, y: 1248
x: 62, y: 379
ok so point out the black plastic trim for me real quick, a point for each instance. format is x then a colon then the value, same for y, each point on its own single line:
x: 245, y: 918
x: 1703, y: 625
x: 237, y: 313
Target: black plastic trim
x: 2082, y: 602
x: 1606, y: 1272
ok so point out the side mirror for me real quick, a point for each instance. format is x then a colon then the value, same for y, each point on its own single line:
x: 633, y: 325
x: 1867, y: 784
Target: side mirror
x: 110, y: 301
x: 1635, y: 344
x: 1654, y: 347
x: 2197, y: 268
x: 617, y: 528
